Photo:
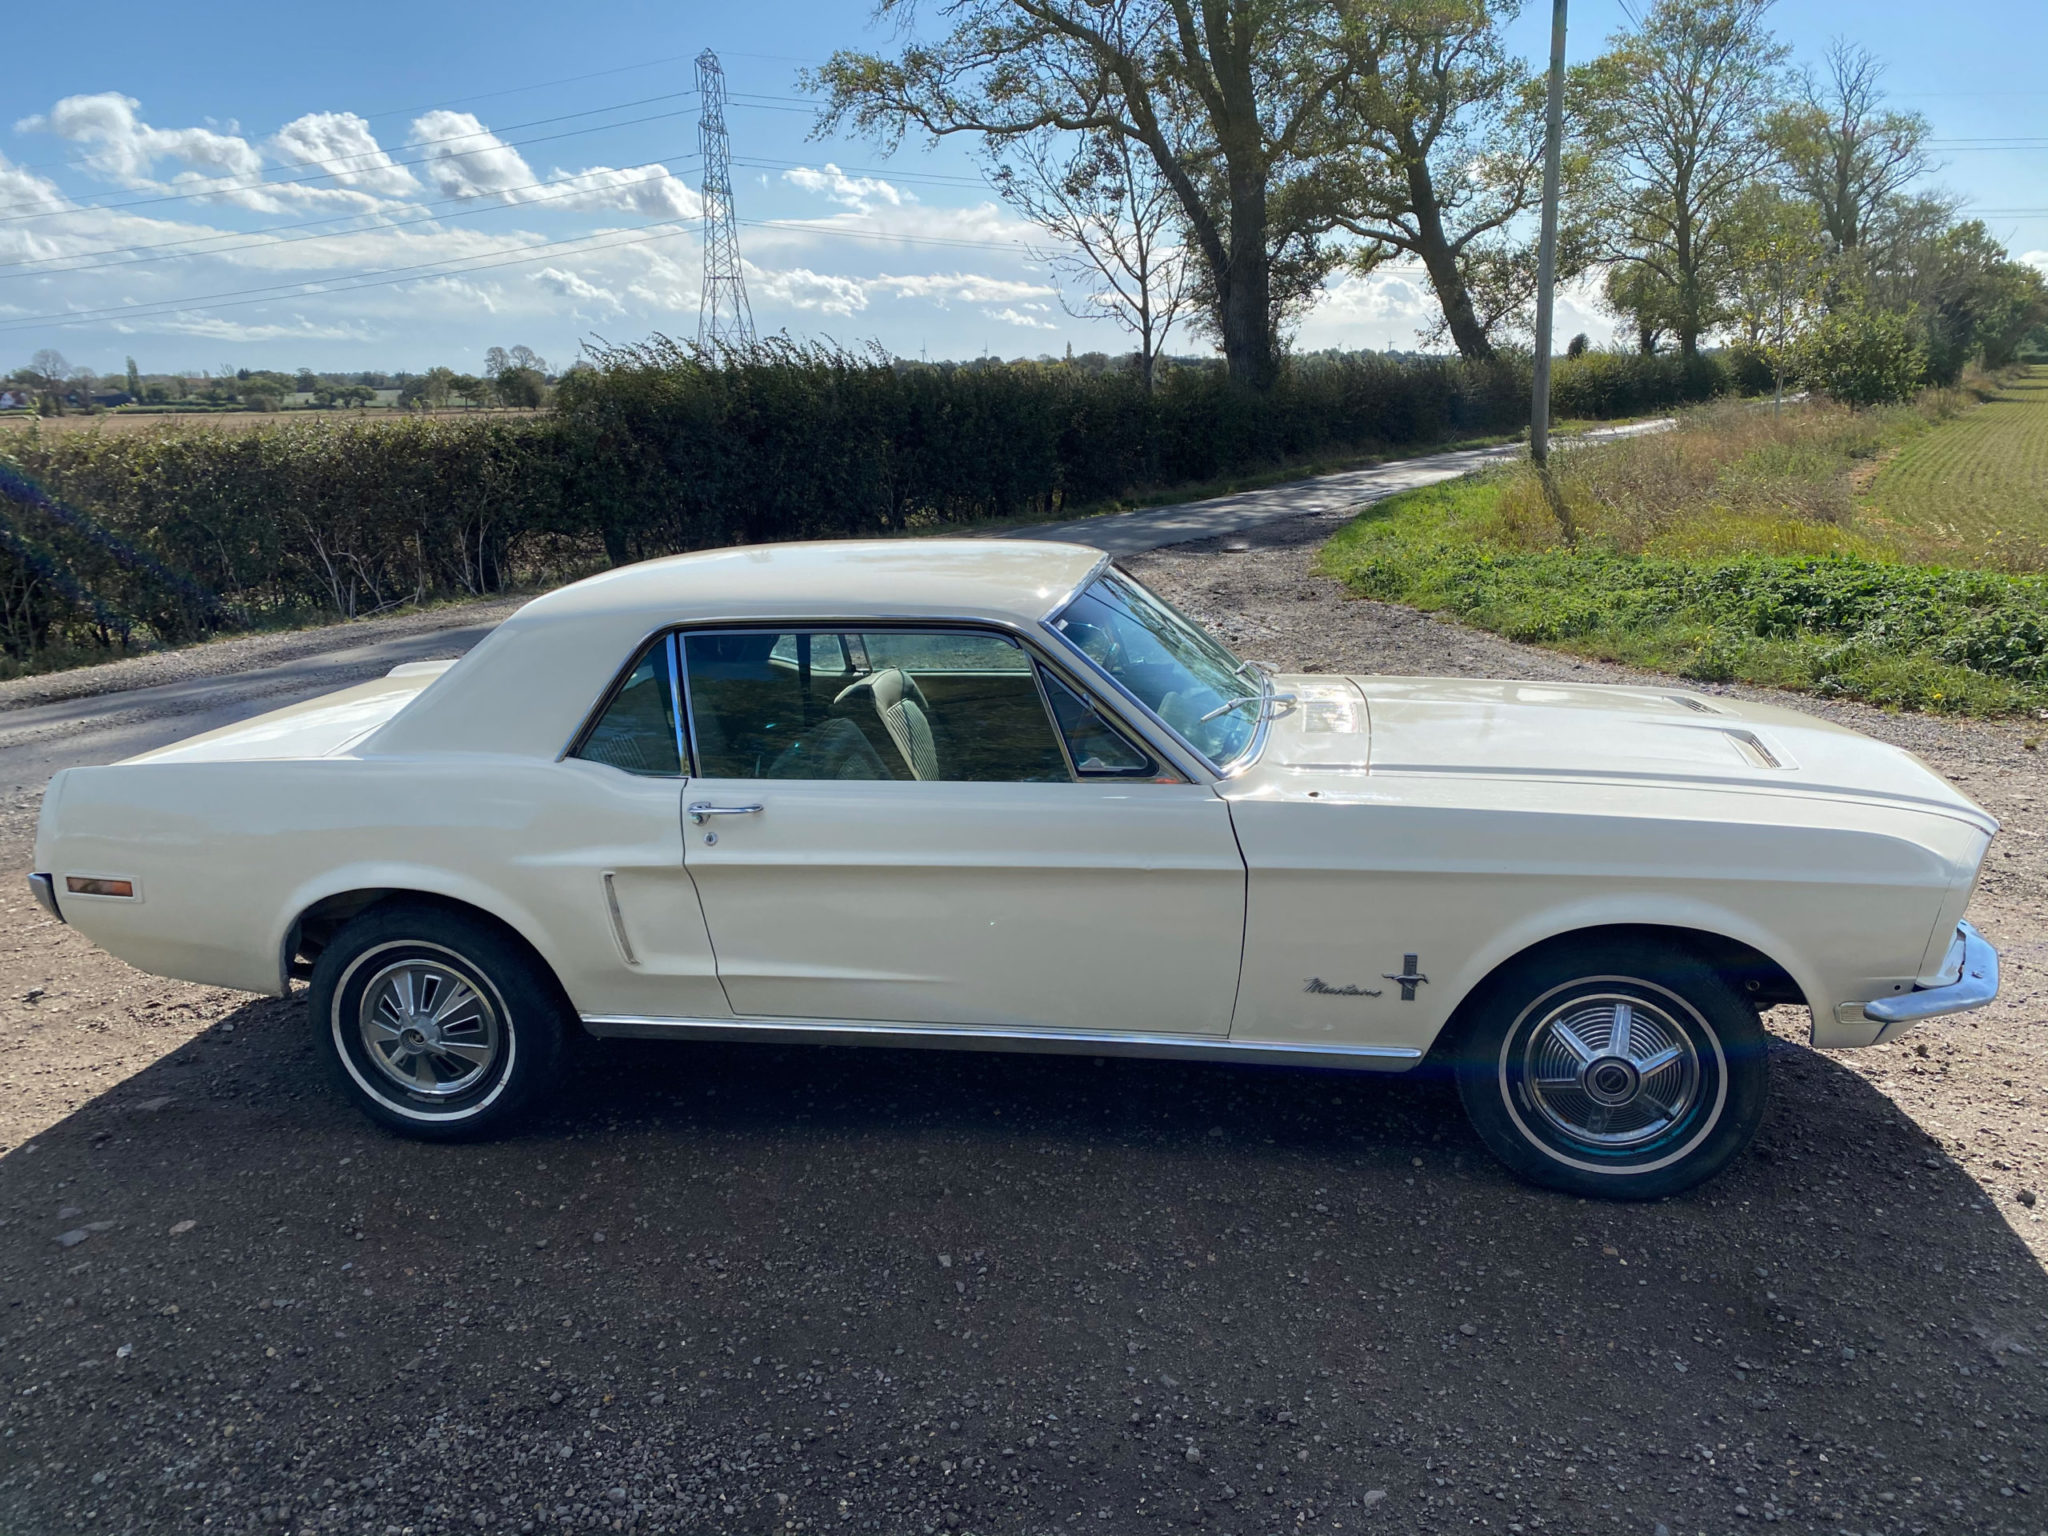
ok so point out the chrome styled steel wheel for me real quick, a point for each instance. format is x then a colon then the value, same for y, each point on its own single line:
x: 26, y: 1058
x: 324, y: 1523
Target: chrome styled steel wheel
x: 1610, y: 1071
x: 439, y: 1023
x: 1622, y: 1068
x: 428, y: 1029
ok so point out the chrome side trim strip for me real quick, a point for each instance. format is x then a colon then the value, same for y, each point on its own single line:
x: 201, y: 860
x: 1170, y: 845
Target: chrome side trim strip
x: 1367, y: 1058
x: 1975, y: 964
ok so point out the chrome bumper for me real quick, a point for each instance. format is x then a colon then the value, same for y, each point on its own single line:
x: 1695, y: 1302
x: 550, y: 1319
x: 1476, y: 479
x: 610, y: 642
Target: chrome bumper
x: 44, y: 889
x: 1974, y: 965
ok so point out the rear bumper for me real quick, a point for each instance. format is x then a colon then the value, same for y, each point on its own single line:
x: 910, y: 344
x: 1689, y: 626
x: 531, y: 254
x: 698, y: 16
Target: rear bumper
x: 1972, y: 964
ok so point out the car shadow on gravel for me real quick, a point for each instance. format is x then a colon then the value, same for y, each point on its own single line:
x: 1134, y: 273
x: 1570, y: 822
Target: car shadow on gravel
x: 767, y: 1290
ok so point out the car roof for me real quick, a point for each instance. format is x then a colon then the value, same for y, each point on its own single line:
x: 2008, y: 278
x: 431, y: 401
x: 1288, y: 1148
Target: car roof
x: 1015, y: 581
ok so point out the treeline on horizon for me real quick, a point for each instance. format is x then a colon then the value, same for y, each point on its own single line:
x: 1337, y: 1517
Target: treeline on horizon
x: 112, y: 542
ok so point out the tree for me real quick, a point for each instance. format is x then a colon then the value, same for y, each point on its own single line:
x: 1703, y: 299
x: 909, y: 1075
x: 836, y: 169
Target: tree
x: 1964, y: 292
x: 1454, y: 143
x: 495, y: 362
x: 1840, y: 150
x: 47, y: 369
x: 1107, y: 201
x: 134, y: 380
x: 521, y: 388
x: 1239, y: 104
x: 467, y: 385
x: 1864, y: 356
x: 1777, y: 279
x: 1675, y: 113
x: 526, y: 357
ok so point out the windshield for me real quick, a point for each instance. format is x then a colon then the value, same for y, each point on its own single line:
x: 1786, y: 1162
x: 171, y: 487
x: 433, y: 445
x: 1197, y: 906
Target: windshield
x: 1177, y: 670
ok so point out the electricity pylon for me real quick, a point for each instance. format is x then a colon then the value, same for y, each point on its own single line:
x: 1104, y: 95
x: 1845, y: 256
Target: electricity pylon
x: 723, y: 318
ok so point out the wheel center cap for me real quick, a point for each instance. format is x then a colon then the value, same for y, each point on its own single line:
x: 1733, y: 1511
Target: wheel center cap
x: 1612, y: 1080
x: 415, y: 1037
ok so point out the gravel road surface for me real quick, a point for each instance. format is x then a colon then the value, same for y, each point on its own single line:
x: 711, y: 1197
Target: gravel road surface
x: 723, y: 1289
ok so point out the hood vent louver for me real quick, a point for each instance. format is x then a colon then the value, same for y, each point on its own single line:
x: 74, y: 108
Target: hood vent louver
x: 1753, y: 749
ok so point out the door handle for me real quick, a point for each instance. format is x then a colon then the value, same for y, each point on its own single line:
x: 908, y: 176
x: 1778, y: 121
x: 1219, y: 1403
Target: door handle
x: 704, y: 810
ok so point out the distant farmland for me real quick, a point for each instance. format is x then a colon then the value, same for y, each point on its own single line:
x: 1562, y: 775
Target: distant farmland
x: 1974, y: 491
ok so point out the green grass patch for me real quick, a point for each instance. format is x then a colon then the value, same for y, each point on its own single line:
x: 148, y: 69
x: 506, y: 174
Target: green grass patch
x: 1974, y: 491
x: 1842, y: 622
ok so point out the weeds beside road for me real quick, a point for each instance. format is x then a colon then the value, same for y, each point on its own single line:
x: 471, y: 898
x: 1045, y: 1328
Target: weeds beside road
x: 1732, y: 548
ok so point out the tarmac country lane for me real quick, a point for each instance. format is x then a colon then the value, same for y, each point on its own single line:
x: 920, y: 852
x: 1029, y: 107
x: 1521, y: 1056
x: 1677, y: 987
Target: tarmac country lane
x: 723, y: 1289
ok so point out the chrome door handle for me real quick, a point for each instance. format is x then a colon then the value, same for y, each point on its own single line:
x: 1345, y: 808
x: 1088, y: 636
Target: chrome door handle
x: 703, y: 810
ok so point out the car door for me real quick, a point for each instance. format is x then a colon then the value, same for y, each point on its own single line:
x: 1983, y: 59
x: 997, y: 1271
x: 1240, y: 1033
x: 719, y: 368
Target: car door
x: 614, y: 870
x: 888, y: 825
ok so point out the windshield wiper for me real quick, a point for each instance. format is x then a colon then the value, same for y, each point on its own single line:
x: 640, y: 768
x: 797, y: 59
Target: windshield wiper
x: 1229, y: 704
x: 1266, y: 699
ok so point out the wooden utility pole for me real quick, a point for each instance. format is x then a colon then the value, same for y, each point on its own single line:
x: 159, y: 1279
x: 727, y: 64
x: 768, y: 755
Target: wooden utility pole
x: 1546, y: 251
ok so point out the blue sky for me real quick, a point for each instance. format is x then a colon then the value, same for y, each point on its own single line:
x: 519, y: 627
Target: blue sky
x: 537, y: 182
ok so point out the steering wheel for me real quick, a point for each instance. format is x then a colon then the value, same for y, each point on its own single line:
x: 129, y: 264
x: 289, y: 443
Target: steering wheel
x: 1099, y: 644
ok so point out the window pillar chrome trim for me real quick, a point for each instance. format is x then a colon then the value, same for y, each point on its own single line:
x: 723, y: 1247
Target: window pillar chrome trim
x: 677, y: 701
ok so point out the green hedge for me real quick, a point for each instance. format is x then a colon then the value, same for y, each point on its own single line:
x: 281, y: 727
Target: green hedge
x: 108, y: 541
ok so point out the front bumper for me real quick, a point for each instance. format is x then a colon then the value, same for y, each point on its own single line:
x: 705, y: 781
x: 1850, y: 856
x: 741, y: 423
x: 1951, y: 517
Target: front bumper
x: 44, y: 888
x: 1973, y: 964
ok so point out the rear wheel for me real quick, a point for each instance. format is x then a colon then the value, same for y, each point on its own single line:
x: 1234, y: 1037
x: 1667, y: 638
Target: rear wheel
x: 438, y: 1025
x: 1627, y: 1071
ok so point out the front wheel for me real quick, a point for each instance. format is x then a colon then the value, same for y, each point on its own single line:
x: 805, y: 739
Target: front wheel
x: 438, y: 1025
x: 1626, y: 1071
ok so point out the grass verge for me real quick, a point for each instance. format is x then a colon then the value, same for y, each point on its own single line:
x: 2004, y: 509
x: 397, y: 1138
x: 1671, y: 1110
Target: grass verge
x: 1729, y: 550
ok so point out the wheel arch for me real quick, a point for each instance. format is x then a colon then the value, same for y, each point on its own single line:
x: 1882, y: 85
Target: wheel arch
x: 1754, y: 973
x: 318, y: 919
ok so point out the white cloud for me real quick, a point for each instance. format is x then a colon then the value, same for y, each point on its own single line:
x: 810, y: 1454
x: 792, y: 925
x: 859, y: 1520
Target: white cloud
x: 573, y: 286
x: 341, y: 144
x: 803, y: 289
x: 2036, y: 259
x: 966, y: 287
x: 856, y: 192
x: 464, y: 159
x: 832, y: 293
x: 1017, y: 317
x: 22, y: 191
x: 122, y: 148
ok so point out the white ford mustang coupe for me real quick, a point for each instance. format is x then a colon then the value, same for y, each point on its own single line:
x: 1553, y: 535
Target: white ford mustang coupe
x: 998, y: 796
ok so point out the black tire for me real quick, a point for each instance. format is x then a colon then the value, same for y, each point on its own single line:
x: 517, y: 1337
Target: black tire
x: 1552, y: 1098
x: 438, y: 1025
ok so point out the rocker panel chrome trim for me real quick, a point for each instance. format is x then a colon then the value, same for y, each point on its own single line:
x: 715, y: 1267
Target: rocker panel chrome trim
x: 1357, y: 1058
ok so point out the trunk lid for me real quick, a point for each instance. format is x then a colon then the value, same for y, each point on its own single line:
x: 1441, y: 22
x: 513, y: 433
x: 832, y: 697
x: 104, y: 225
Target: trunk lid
x: 318, y: 727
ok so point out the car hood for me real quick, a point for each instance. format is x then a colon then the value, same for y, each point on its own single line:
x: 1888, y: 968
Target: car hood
x: 1405, y: 727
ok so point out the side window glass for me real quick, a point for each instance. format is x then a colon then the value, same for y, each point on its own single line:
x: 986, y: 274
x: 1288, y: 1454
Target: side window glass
x: 638, y: 731
x: 880, y: 704
x: 1098, y: 748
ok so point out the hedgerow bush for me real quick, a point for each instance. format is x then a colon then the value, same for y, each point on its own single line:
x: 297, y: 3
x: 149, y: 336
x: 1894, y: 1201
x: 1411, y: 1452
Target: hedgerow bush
x: 109, y: 541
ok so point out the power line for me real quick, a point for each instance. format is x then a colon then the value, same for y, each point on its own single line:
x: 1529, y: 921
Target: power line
x: 216, y: 188
x: 566, y: 186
